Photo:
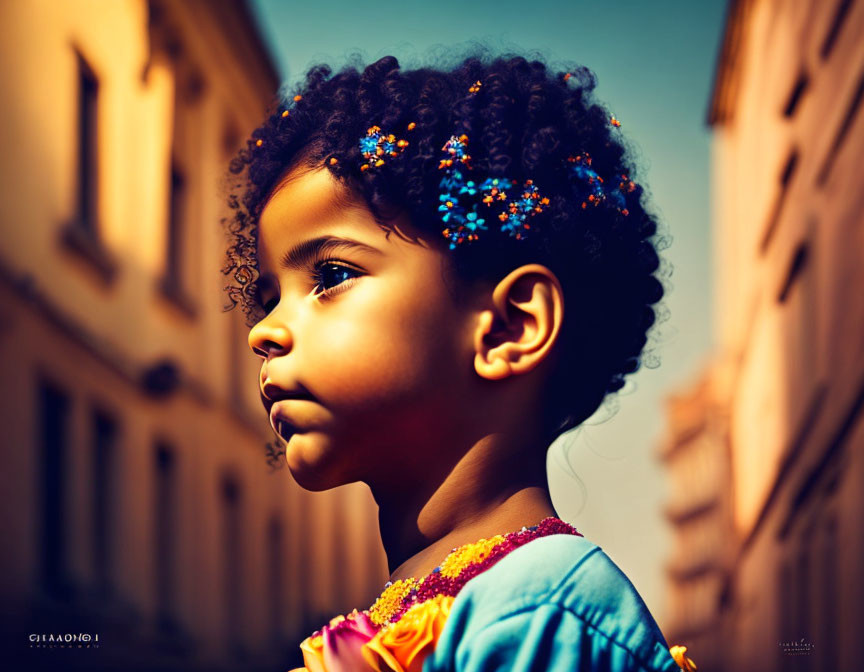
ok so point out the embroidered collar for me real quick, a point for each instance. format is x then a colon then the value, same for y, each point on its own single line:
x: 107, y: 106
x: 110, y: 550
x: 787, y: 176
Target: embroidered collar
x: 460, y: 566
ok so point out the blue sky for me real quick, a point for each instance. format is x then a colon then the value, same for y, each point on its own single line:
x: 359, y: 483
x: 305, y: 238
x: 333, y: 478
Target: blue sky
x: 654, y: 63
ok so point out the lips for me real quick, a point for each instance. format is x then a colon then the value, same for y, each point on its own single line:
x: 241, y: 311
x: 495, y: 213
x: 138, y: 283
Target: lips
x: 279, y: 421
x: 276, y: 398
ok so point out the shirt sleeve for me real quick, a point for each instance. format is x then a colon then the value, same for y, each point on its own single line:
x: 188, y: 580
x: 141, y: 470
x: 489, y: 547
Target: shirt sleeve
x: 558, y: 603
x: 548, y: 637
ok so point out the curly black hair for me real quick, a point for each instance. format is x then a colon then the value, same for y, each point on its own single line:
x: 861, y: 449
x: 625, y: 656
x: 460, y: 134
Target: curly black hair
x: 522, y: 122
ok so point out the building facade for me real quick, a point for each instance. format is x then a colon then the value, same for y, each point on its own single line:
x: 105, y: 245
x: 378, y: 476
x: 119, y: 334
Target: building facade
x: 696, y: 455
x: 139, y: 505
x: 787, y: 219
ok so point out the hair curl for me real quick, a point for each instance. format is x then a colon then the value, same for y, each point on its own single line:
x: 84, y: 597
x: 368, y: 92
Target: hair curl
x: 522, y: 123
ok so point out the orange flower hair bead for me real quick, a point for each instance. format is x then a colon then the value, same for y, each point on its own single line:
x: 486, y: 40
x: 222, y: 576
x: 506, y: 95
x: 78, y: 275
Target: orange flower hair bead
x: 285, y: 114
x: 259, y: 142
x: 615, y: 122
x: 298, y: 98
x: 457, y: 150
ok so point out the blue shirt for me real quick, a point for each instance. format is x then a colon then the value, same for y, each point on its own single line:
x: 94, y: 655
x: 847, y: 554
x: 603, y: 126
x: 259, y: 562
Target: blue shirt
x: 556, y: 604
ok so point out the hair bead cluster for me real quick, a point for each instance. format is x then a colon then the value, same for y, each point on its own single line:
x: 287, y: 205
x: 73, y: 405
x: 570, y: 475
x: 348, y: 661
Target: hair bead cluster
x: 460, y: 199
x: 375, y: 146
x: 592, y: 185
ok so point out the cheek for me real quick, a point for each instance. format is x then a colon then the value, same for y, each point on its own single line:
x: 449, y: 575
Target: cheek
x: 376, y: 351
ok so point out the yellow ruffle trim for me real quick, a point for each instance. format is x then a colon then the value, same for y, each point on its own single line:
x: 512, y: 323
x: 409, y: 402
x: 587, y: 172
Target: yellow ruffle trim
x: 390, y: 600
x: 469, y: 554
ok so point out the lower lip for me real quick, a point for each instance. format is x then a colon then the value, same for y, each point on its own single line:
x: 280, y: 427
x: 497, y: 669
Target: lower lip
x: 285, y: 430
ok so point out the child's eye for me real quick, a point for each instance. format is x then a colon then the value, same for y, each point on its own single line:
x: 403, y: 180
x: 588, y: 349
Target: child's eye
x: 331, y: 278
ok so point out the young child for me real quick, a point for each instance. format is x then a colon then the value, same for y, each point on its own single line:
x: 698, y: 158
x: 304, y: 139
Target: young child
x: 445, y: 270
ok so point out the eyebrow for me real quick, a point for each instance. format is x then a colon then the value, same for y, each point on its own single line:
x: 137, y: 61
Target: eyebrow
x: 299, y: 256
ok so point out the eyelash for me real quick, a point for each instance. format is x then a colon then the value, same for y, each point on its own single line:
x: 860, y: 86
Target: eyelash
x: 316, y: 276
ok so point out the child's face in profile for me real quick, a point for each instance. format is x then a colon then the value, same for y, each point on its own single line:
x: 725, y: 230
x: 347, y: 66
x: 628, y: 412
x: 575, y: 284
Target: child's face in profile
x: 363, y: 331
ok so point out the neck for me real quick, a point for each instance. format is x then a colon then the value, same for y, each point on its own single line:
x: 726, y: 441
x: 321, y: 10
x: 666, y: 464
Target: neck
x: 497, y: 486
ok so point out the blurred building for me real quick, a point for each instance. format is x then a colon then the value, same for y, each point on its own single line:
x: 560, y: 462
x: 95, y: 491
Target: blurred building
x: 138, y: 503
x: 699, y: 509
x: 776, y: 421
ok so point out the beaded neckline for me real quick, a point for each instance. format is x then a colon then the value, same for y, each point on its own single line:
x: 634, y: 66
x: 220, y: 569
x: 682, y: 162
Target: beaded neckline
x: 461, y: 565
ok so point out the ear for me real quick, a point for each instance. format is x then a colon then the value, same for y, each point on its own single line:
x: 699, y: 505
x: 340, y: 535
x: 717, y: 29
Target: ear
x: 519, y: 331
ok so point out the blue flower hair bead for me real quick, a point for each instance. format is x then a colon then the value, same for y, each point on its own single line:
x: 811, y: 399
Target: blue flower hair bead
x: 462, y: 224
x: 466, y: 231
x: 587, y: 178
x: 375, y: 146
x: 515, y: 220
x: 592, y: 187
x: 625, y: 186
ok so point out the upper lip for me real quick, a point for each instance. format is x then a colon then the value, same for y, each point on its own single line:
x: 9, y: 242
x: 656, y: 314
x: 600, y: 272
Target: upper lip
x: 271, y: 393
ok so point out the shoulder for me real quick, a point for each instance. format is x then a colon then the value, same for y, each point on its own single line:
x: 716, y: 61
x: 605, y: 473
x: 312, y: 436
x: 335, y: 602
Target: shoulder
x: 561, y: 598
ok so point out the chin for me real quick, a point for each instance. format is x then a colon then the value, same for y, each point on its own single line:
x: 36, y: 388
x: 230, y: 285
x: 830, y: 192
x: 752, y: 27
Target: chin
x: 312, y: 464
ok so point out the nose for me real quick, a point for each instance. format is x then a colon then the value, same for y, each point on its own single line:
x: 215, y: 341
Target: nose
x: 270, y: 338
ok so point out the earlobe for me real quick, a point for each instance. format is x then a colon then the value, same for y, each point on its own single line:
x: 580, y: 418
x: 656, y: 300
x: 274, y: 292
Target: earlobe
x: 517, y: 334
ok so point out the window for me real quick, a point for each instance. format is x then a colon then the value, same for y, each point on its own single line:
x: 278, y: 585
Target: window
x: 176, y: 217
x: 184, y: 190
x: 165, y: 535
x: 801, y: 614
x: 842, y: 131
x: 232, y: 580
x: 303, y: 580
x: 836, y: 24
x: 275, y: 584
x: 786, y: 176
x: 796, y: 266
x: 104, y: 430
x: 53, y: 433
x: 88, y: 149
x: 829, y: 596
x: 784, y: 606
x: 82, y: 233
x: 795, y: 95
